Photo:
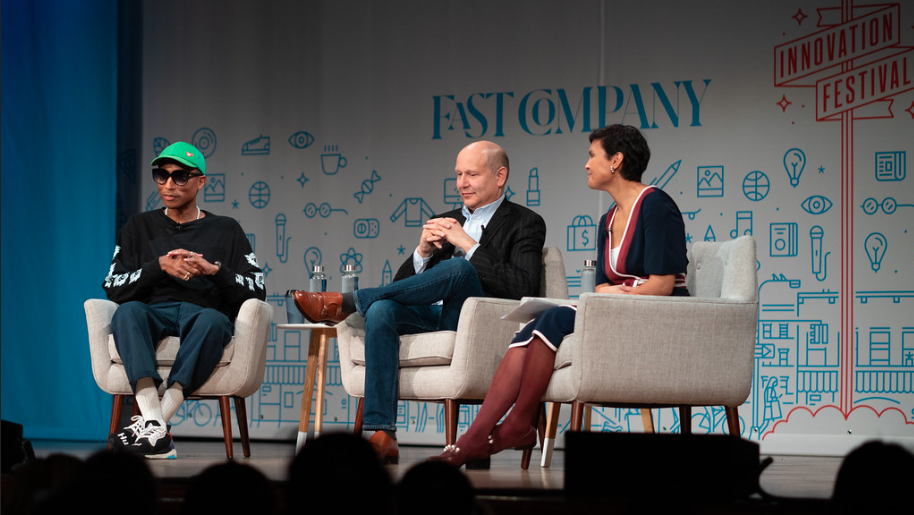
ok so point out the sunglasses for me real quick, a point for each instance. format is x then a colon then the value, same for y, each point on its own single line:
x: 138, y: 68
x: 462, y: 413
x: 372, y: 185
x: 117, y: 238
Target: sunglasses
x: 179, y: 177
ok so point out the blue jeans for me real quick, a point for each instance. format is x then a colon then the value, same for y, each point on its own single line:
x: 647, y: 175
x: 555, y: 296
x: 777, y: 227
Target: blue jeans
x: 137, y: 328
x: 406, y: 307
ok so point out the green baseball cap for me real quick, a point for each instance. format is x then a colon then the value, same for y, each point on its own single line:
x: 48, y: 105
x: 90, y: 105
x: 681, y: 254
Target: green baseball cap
x: 184, y: 153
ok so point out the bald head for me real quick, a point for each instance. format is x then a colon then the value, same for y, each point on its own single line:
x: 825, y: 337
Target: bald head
x: 482, y: 171
x: 493, y: 155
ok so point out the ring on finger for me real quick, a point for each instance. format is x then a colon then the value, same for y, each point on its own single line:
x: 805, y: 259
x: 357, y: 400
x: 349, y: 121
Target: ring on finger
x: 187, y: 276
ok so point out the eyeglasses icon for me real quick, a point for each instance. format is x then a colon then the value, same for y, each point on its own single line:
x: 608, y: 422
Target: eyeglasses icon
x: 871, y: 206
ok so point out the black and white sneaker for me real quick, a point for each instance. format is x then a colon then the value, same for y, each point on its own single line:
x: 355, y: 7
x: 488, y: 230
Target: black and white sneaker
x: 127, y: 436
x: 154, y: 442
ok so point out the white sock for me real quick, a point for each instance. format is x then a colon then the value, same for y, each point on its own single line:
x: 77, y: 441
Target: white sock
x: 147, y: 398
x: 172, y: 400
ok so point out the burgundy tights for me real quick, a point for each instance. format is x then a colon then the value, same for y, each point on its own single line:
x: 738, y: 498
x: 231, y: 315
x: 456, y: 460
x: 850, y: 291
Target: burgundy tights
x: 520, y: 380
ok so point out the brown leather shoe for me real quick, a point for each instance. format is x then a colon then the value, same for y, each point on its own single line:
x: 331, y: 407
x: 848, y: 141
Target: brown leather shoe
x: 385, y: 447
x: 321, y: 307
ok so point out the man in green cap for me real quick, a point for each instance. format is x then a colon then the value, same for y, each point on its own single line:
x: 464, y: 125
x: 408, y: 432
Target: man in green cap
x: 177, y: 271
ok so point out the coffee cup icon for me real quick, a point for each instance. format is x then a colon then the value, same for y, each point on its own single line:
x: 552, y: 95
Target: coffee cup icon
x: 331, y: 163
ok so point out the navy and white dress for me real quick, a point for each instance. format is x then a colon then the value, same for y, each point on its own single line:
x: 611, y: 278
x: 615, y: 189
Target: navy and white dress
x: 653, y: 244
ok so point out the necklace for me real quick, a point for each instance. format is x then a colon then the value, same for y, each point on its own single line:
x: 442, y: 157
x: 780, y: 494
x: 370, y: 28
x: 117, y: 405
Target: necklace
x: 198, y: 213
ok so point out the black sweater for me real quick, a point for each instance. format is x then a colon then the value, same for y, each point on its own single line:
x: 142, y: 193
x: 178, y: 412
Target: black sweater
x: 135, y: 273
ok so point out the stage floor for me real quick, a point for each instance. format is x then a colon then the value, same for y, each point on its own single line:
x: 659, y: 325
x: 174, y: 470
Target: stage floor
x: 786, y: 478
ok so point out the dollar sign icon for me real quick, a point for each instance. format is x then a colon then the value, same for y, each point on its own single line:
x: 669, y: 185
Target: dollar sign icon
x: 586, y: 239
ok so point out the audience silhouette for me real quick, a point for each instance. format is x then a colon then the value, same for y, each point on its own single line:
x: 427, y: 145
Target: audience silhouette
x: 874, y: 478
x: 340, y: 469
x: 424, y: 486
x: 230, y: 488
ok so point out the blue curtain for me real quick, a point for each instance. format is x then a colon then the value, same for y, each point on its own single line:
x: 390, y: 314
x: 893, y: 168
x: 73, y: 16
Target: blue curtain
x: 59, y: 149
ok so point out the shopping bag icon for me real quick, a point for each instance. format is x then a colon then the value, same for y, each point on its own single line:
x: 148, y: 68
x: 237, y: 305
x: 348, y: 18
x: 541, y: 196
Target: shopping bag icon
x: 582, y: 234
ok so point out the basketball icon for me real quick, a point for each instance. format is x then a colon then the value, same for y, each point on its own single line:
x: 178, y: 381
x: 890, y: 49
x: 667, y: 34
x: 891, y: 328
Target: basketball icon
x: 756, y: 186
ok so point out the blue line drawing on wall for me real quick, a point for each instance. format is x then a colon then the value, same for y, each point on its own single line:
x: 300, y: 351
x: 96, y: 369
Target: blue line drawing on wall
x: 301, y: 139
x: 889, y: 205
x: 816, y: 204
x: 311, y: 210
x: 367, y: 186
x: 387, y: 275
x: 153, y: 201
x: 351, y: 257
x: 331, y: 160
x: 414, y: 210
x: 313, y: 257
x: 582, y: 234
x: 205, y: 141
x: 668, y: 174
x: 756, y: 185
x: 159, y: 144
x: 451, y: 195
x: 282, y: 243
x: 709, y: 234
x: 364, y: 228
x: 819, y: 261
x: 772, y: 409
x: 891, y: 166
x: 509, y: 192
x: 743, y: 224
x: 794, y: 163
x: 783, y: 239
x: 691, y: 214
x: 875, y: 245
x: 302, y: 179
x: 214, y: 189
x: 259, y: 146
x: 259, y: 195
x: 710, y: 181
x: 200, y: 413
x: 533, y: 187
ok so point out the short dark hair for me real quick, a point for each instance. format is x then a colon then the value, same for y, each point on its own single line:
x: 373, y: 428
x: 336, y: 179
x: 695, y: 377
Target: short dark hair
x: 630, y: 142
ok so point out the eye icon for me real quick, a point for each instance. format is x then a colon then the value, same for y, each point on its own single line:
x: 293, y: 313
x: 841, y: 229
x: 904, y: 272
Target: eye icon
x: 816, y: 205
x: 301, y: 139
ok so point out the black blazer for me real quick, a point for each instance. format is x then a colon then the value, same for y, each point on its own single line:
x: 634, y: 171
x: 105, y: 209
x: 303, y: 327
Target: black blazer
x: 509, y: 260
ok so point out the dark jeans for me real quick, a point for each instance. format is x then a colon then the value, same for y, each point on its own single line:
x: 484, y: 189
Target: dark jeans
x: 406, y: 307
x: 204, y: 333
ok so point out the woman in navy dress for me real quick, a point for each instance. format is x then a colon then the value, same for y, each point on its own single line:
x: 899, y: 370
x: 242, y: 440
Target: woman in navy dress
x: 641, y: 250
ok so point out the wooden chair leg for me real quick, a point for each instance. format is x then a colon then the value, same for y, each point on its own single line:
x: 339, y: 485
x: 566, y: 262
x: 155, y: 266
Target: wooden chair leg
x: 226, y: 409
x: 360, y: 406
x: 117, y: 407
x: 552, y: 422
x: 732, y: 420
x: 588, y: 417
x: 685, y: 420
x: 577, y: 412
x: 647, y: 420
x: 451, y: 414
x: 241, y: 413
x: 528, y: 453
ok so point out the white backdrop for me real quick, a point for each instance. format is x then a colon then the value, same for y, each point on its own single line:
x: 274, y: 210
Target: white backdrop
x: 331, y: 128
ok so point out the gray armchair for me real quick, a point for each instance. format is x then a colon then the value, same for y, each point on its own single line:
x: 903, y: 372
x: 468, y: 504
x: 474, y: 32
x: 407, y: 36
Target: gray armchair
x: 453, y: 367
x: 653, y: 352
x: 237, y: 376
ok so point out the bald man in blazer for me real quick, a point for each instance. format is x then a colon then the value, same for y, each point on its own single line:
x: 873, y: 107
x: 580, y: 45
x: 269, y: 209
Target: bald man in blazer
x: 490, y: 247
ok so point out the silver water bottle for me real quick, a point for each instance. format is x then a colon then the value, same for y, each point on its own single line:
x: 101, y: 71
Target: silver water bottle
x: 350, y: 279
x: 318, y: 279
x: 589, y: 276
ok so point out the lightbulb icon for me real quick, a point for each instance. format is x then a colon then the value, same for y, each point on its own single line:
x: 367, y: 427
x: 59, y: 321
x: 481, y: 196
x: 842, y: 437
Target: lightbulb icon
x: 794, y: 163
x: 875, y: 245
